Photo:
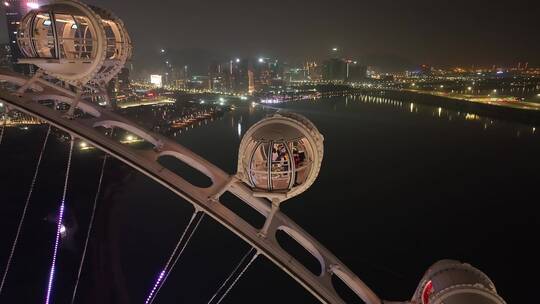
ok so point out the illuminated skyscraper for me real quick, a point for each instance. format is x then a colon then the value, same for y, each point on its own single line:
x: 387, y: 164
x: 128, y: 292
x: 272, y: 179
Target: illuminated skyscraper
x: 356, y: 72
x: 239, y: 75
x: 314, y: 71
x: 335, y: 69
x: 15, y: 10
x: 251, y: 81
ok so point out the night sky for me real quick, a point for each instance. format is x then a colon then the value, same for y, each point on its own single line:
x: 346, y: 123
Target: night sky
x: 456, y: 32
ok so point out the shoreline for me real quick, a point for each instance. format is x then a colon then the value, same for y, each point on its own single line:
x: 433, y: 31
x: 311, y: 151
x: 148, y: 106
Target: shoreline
x: 496, y: 110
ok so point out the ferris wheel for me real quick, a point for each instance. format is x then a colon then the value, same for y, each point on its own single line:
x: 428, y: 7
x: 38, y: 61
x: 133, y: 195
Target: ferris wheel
x: 78, y: 49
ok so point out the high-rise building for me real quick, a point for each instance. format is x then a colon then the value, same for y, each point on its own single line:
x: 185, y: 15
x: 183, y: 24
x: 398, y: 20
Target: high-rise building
x: 5, y: 56
x: 217, y: 77
x: 15, y: 11
x: 123, y: 86
x: 335, y: 69
x: 239, y: 75
x: 314, y: 71
x: 251, y: 81
x: 356, y: 72
x: 265, y: 72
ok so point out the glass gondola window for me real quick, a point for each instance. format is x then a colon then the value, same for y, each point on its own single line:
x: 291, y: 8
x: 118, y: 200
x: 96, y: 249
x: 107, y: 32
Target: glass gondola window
x: 281, y: 175
x: 43, y: 36
x: 279, y: 165
x: 25, y: 37
x: 66, y: 29
x: 259, y: 166
x: 113, y: 38
x: 302, y: 162
x: 84, y: 38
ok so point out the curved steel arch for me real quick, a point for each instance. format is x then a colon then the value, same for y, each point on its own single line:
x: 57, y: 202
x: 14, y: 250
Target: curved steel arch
x: 203, y: 199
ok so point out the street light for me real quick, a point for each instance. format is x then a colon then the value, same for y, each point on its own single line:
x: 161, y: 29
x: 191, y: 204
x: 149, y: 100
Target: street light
x: 162, y: 51
x: 237, y: 60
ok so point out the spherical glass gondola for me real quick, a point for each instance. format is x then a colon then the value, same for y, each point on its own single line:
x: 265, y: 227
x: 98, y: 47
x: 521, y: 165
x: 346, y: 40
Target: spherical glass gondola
x: 74, y: 42
x: 281, y: 155
x: 452, y: 282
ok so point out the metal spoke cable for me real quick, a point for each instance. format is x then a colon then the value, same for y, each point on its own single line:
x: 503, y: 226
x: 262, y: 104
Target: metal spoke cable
x: 231, y: 275
x: 25, y: 209
x: 59, y: 226
x: 89, y: 232
x: 164, y: 275
x: 238, y: 278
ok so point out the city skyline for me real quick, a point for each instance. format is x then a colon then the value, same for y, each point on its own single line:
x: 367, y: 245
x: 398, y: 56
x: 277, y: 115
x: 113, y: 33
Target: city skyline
x: 396, y: 34
x: 244, y: 137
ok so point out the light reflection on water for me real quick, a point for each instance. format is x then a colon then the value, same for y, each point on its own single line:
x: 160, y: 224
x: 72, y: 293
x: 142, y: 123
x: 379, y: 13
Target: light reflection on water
x: 402, y: 185
x: 412, y: 183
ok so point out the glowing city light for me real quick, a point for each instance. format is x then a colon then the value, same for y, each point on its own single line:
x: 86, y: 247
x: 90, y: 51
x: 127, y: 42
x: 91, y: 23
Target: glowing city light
x: 335, y: 49
x: 156, y: 80
x: 83, y: 145
x: 237, y: 60
x: 261, y: 60
x: 129, y: 138
x: 221, y: 99
x: 55, y: 253
x: 469, y: 88
x: 162, y: 51
x: 6, y: 4
x: 32, y: 5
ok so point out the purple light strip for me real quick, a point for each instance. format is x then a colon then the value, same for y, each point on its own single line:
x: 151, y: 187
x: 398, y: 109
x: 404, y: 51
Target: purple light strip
x: 55, y: 253
x: 158, y: 282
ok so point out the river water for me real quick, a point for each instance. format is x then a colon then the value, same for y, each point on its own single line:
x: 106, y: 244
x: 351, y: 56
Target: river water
x: 402, y: 185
